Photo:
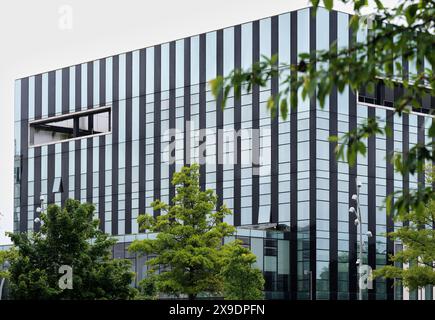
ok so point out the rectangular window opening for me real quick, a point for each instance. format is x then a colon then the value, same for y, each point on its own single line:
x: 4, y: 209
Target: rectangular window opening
x: 70, y: 126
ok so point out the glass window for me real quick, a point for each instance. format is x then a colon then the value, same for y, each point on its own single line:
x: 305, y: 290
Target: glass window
x: 31, y: 97
x: 75, y: 125
x: 150, y: 70
x: 179, y: 63
x: 96, y: 76
x: 72, y: 89
x: 58, y: 94
x: 265, y: 40
x: 109, y: 79
x: 44, y: 94
x: 211, y: 60
x: 246, y: 45
x: 84, y: 86
x: 284, y: 39
x: 194, y: 60
x: 228, y: 50
x: 165, y: 67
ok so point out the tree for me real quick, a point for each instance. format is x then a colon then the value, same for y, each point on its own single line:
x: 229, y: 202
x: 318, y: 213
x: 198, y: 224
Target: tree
x: 418, y: 239
x: 399, y: 34
x: 68, y: 236
x: 188, y: 252
x: 241, y: 280
x: 148, y: 289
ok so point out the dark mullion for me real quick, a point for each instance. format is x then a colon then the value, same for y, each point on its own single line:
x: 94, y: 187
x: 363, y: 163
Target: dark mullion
x: 202, y: 109
x: 219, y: 121
x: 237, y: 126
x: 313, y: 168
x: 51, y: 148
x: 187, y: 79
x: 24, y: 154
x: 172, y: 114
x: 37, y: 152
x: 157, y: 118
x: 371, y: 191
x: 65, y: 145
x: 255, y: 126
x: 115, y: 142
x: 274, y: 181
x: 77, y: 146
x: 352, y: 188
x: 293, y: 166
x: 389, y: 95
x: 102, y: 153
x: 142, y: 119
x: 128, y: 141
x: 90, y: 141
x: 333, y: 176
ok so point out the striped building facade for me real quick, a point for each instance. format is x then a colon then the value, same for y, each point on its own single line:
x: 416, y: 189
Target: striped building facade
x: 98, y: 132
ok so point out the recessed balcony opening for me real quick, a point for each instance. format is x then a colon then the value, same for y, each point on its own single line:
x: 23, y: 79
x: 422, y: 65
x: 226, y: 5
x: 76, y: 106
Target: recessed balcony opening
x: 71, y: 126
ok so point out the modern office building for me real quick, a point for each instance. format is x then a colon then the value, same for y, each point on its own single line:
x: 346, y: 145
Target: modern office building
x: 99, y: 132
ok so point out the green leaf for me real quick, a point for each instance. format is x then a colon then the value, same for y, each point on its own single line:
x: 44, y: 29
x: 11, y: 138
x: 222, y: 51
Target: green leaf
x: 270, y: 103
x: 216, y: 85
x: 328, y: 4
x: 284, y: 109
x: 315, y: 3
x: 388, y: 203
x: 333, y: 138
x: 388, y: 130
x: 432, y: 130
x: 410, y: 13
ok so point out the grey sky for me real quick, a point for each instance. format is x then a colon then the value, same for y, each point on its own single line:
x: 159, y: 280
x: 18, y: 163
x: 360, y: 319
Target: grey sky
x: 32, y: 42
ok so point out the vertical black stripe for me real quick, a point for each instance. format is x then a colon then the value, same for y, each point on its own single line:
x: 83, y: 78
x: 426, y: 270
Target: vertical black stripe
x: 313, y: 164
x: 172, y: 114
x: 65, y: 90
x: 90, y: 141
x: 37, y: 185
x: 115, y: 141
x: 24, y: 154
x: 293, y: 166
x: 274, y: 182
x: 421, y: 142
x: 37, y: 152
x: 255, y: 126
x: 219, y: 120
x: 51, y: 148
x: 352, y: 188
x: 333, y: 176
x: 390, y: 191
x: 78, y: 99
x: 157, y: 118
x: 128, y: 141
x: 371, y: 148
x: 142, y: 119
x: 237, y: 126
x: 398, y: 93
x: 202, y: 109
x: 187, y: 145
x: 102, y: 183
x: 65, y: 145
x: 102, y: 152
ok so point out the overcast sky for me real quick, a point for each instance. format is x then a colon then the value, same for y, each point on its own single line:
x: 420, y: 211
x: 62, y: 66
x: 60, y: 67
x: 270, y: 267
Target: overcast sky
x: 35, y: 38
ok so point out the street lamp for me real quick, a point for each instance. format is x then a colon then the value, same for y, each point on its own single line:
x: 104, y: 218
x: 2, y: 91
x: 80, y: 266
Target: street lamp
x: 358, y: 221
x: 40, y: 210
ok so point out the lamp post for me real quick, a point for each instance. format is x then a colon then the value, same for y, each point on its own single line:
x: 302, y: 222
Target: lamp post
x: 358, y: 221
x: 40, y: 210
